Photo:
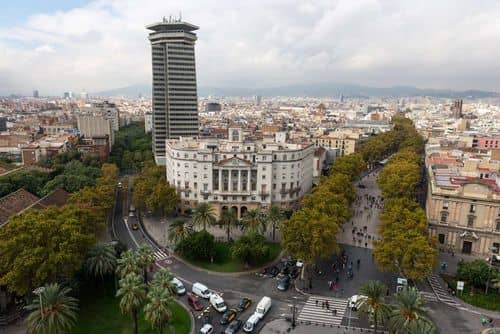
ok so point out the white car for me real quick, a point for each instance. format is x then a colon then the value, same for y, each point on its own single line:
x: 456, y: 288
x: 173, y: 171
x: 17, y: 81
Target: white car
x: 354, y: 300
x: 179, y: 287
x: 299, y: 263
x: 207, y: 329
x: 218, y: 303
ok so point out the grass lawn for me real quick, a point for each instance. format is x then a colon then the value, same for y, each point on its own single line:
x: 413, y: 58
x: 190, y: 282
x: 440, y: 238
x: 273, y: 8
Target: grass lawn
x: 225, y: 263
x: 491, y: 301
x: 100, y: 314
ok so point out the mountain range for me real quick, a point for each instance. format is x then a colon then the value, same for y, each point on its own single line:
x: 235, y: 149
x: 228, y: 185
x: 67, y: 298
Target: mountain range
x: 326, y: 89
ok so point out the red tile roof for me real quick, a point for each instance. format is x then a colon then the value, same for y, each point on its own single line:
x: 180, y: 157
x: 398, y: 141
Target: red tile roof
x: 15, y: 202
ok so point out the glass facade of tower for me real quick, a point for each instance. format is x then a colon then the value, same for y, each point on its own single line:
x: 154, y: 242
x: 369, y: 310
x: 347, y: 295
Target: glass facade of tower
x: 175, y: 100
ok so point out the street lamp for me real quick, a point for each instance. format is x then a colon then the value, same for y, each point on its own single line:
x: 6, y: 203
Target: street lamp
x: 493, y: 252
x: 294, y: 311
x: 38, y: 291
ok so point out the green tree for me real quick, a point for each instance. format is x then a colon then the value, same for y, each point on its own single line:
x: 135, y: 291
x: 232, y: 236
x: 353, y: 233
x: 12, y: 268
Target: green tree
x: 251, y: 248
x: 254, y: 220
x: 128, y: 263
x: 198, y: 245
x: 421, y: 327
x: 163, y: 278
x: 203, y: 215
x: 399, y: 179
x: 156, y: 310
x: 351, y: 165
x: 373, y: 303
x: 276, y: 218
x: 475, y: 272
x: 178, y: 229
x: 146, y: 259
x: 132, y: 293
x: 42, y: 245
x: 163, y: 198
x: 409, y: 309
x: 228, y: 220
x: 101, y: 260
x: 310, y: 234
x: 52, y: 311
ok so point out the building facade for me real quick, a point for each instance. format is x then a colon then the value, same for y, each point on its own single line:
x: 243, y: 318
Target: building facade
x: 175, y: 99
x: 96, y: 126
x: 239, y: 175
x: 109, y: 111
x: 345, y: 142
x: 463, y: 205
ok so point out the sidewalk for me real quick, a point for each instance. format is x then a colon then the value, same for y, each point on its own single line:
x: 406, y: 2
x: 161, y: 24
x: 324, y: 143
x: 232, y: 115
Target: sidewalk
x: 281, y: 326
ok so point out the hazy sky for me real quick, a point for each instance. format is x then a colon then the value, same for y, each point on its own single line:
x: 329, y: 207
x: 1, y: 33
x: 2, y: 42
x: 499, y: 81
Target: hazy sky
x: 58, y: 45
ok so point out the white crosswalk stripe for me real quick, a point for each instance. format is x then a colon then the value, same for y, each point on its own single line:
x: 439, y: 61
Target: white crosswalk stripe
x: 441, y: 293
x: 429, y: 296
x: 314, y: 313
x: 160, y: 255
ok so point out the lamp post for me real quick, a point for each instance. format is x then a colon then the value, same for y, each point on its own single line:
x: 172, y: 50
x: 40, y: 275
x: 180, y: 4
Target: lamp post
x: 493, y: 252
x: 38, y: 291
x: 294, y: 310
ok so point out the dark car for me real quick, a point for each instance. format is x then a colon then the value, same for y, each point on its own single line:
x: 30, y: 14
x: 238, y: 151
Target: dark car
x: 284, y: 283
x: 135, y: 227
x: 244, y: 304
x: 228, y: 316
x: 362, y: 186
x: 285, y: 270
x: 233, y: 327
x: 207, y: 318
x: 194, y: 302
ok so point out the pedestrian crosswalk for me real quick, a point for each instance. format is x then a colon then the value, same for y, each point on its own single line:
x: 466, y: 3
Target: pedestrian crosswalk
x: 313, y: 312
x: 160, y: 255
x: 429, y: 296
x: 441, y: 292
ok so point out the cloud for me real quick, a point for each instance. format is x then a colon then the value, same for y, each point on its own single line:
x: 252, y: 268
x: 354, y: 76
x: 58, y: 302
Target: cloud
x: 104, y: 44
x: 46, y: 48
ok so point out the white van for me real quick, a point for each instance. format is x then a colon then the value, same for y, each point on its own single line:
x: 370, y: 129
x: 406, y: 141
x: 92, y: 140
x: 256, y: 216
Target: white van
x: 262, y: 307
x: 251, y: 323
x: 179, y: 287
x: 200, y: 290
x: 218, y: 303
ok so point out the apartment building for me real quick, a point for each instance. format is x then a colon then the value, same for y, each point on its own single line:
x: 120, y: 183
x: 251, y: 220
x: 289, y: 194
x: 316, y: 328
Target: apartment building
x: 463, y: 201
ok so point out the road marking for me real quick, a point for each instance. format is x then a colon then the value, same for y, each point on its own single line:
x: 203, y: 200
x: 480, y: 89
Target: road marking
x: 314, y: 313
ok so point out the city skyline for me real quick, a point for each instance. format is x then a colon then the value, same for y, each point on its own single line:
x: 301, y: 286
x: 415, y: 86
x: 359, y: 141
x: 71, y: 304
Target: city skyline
x: 87, y: 46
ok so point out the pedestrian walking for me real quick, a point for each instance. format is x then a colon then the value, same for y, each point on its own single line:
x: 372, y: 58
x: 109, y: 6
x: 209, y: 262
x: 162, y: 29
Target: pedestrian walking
x: 316, y: 302
x: 327, y: 304
x: 358, y: 262
x: 334, y: 312
x: 323, y: 304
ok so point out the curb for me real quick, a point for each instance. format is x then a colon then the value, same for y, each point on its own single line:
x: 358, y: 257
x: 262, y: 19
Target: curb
x: 193, y: 320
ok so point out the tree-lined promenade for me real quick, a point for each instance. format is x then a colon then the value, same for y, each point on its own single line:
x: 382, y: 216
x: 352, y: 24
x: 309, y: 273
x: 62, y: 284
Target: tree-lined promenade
x: 311, y: 232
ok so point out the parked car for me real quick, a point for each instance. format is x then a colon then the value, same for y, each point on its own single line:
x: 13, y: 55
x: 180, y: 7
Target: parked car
x: 218, y: 303
x: 228, y: 316
x: 251, y: 323
x: 179, y: 287
x: 194, y: 302
x: 354, y: 300
x: 263, y: 307
x: 206, y: 318
x: 244, y: 304
x: 233, y: 327
x: 200, y: 290
x: 207, y: 329
x: 135, y: 227
x: 284, y: 283
x: 362, y: 186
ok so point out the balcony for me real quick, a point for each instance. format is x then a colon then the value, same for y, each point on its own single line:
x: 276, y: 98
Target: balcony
x: 205, y: 192
x: 263, y: 193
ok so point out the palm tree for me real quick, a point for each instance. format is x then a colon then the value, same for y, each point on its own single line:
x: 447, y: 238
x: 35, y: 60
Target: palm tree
x: 157, y: 310
x: 132, y: 292
x: 163, y: 278
x: 179, y: 229
x: 275, y: 217
x: 204, y: 215
x: 101, y: 260
x: 372, y: 302
x: 128, y: 263
x: 254, y: 220
x: 228, y: 220
x: 53, y: 312
x: 409, y: 309
x: 421, y: 327
x: 146, y: 259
